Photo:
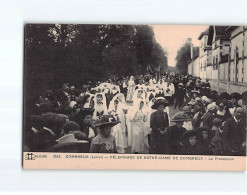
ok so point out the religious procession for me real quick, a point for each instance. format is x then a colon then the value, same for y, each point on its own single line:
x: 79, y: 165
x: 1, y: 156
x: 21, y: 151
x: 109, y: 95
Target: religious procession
x: 144, y: 114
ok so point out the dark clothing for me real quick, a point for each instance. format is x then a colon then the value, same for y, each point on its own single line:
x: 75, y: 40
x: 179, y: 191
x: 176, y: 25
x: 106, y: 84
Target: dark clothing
x: 158, y: 123
x: 205, y: 147
x: 216, y: 143
x: 41, y: 141
x: 179, y: 97
x: 175, y: 135
x: 197, y: 119
x: 208, y: 120
x: 191, y: 150
x: 224, y: 117
x: 233, y: 137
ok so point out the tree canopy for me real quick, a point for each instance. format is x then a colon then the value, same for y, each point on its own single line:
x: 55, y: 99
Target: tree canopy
x: 58, y: 53
x: 184, y: 57
x: 71, y: 53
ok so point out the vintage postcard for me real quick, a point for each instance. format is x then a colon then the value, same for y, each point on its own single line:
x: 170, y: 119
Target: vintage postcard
x: 135, y: 97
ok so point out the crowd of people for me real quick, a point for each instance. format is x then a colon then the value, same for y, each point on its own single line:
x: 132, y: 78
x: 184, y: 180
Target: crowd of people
x: 132, y: 115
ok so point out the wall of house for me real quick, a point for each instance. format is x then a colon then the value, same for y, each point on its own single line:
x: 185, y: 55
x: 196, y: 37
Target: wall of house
x: 196, y: 67
x: 190, y: 68
x: 223, y: 75
x: 223, y: 71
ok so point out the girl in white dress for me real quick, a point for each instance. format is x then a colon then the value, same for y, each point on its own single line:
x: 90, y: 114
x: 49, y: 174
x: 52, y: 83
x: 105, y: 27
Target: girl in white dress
x: 119, y: 131
x: 100, y: 107
x: 138, y: 118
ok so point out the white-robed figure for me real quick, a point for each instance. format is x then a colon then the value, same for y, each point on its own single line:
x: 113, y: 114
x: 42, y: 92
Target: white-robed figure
x: 119, y: 131
x: 138, y: 117
x: 131, y: 89
x: 169, y: 89
x: 139, y: 95
x: 100, y: 107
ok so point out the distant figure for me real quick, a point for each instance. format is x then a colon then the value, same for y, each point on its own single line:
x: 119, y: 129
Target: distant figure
x: 131, y: 89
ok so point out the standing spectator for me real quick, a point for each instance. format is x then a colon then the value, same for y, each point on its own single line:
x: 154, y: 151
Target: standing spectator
x: 159, y: 124
x: 234, y: 134
x: 176, y: 132
x: 210, y: 115
x: 179, y: 96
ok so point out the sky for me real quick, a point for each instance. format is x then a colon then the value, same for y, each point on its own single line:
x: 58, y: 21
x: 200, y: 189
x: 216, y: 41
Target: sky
x: 172, y: 37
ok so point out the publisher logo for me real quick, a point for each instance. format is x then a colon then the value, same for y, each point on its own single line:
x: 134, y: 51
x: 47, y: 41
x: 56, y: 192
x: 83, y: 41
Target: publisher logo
x: 29, y: 156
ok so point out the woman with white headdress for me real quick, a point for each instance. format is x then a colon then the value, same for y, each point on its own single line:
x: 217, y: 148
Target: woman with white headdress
x: 119, y: 131
x: 139, y: 95
x: 138, y: 117
x: 100, y: 107
x: 131, y: 89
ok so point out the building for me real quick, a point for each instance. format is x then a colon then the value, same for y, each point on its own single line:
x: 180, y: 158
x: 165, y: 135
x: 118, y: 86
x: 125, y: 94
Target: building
x: 205, y: 53
x: 219, y: 40
x: 222, y: 58
x: 194, y: 66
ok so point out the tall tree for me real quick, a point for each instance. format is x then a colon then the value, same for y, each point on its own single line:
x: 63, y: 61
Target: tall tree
x: 184, y: 57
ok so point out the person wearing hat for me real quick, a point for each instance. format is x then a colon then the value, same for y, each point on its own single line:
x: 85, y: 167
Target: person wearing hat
x: 179, y: 96
x: 205, y: 134
x: 175, y: 132
x: 224, y: 96
x: 104, y: 142
x: 190, y: 141
x: 223, y: 111
x: 159, y: 124
x: 210, y: 115
x: 84, y: 119
x: 188, y: 123
x: 234, y: 134
x: 53, y: 123
x: 235, y: 97
x: 71, y: 127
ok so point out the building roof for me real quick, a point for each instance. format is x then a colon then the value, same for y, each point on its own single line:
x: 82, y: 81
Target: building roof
x: 206, y: 32
x: 231, y: 28
x: 220, y: 33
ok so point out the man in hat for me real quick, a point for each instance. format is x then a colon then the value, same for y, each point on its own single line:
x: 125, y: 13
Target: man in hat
x: 234, y: 134
x: 179, y: 96
x: 159, y: 124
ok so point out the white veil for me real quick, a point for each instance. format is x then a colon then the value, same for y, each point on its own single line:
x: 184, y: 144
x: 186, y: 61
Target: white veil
x: 98, y: 107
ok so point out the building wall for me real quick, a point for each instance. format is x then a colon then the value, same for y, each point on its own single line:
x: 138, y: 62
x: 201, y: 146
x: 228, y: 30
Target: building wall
x: 223, y: 71
x: 227, y: 76
x: 238, y: 55
x: 196, y: 67
x: 190, y: 68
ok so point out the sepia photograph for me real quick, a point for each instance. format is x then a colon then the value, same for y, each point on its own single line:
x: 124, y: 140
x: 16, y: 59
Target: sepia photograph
x: 135, y: 89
